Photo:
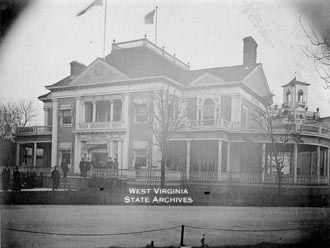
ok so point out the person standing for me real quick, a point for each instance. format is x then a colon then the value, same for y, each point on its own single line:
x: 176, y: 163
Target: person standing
x: 17, y: 180
x: 56, y: 178
x: 82, y: 167
x: 65, y: 168
x: 5, y: 178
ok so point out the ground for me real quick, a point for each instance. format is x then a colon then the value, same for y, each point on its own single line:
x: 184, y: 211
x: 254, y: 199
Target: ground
x: 56, y: 226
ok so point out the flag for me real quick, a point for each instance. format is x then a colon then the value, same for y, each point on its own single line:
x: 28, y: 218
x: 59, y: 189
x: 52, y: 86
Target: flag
x: 95, y: 3
x: 149, y: 18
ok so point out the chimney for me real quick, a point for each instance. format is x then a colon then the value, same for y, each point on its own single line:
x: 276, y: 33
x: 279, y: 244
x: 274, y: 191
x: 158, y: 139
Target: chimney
x: 249, y: 51
x: 76, y: 68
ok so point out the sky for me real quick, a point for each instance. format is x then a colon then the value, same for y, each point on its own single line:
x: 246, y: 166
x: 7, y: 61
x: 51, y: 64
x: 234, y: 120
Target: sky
x: 206, y: 33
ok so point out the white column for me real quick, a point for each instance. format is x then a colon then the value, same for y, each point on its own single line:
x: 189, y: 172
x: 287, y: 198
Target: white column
x: 78, y: 111
x: 46, y: 117
x: 295, y: 162
x: 77, y: 155
x: 235, y: 108
x: 120, y: 154
x: 111, y: 111
x: 318, y: 153
x: 34, y: 154
x: 110, y: 149
x: 54, y: 132
x: 188, y: 160
x: 263, y: 162
x: 125, y: 152
x: 94, y: 111
x: 219, y: 158
x: 228, y: 159
x: 125, y: 108
x: 17, y: 154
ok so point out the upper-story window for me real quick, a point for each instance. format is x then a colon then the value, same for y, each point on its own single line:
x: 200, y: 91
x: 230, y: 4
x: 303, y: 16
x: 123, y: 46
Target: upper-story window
x: 141, y: 113
x: 288, y: 96
x: 208, y: 109
x: 117, y: 108
x: 300, y: 96
x: 102, y: 111
x: 66, y: 117
x: 88, y: 111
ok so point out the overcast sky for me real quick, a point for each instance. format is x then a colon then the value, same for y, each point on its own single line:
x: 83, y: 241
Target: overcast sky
x: 48, y: 36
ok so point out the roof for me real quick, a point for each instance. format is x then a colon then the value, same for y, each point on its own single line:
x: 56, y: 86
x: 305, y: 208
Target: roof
x: 142, y: 59
x: 228, y: 73
x: 294, y: 81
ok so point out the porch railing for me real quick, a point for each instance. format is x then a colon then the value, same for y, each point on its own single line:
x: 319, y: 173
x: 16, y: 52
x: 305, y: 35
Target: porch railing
x: 33, y: 130
x: 46, y: 171
x: 100, y: 125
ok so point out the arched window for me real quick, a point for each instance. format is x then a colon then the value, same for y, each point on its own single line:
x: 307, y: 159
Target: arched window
x: 288, y: 96
x: 208, y: 110
x: 300, y: 96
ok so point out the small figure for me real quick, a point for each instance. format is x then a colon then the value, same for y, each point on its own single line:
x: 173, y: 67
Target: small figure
x: 17, y: 180
x: 82, y: 166
x: 5, y: 178
x: 65, y: 168
x: 56, y: 178
x: 110, y: 164
x: 115, y: 164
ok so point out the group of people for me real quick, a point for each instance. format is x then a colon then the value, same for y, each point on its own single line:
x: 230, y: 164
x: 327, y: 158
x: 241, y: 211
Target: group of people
x: 5, y: 176
x: 108, y: 164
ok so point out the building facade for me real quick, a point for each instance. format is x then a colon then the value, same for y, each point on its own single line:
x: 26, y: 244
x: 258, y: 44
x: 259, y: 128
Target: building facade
x: 101, y: 111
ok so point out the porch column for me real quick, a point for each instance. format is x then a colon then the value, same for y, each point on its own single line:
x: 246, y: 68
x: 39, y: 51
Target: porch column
x: 54, y: 132
x: 263, y: 162
x: 228, y: 159
x: 34, y: 154
x: 188, y: 160
x: 110, y: 149
x: 94, y: 111
x: 125, y: 107
x: 46, y: 117
x: 17, y: 154
x: 126, y: 154
x: 219, y: 158
x: 78, y: 111
x: 77, y: 155
x: 120, y: 154
x: 111, y: 111
x: 318, y: 156
x: 295, y: 162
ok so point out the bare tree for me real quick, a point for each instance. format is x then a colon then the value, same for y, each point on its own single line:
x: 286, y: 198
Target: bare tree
x: 278, y: 127
x: 14, y: 115
x: 168, y: 113
x: 320, y: 52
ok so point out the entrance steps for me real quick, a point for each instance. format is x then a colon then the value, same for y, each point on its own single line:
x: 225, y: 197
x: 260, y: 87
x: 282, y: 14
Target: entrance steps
x: 72, y: 183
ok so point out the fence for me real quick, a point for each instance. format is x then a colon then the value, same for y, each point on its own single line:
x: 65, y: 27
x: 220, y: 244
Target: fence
x: 190, y: 235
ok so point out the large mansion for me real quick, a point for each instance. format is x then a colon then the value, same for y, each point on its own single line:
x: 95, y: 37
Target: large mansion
x: 100, y: 110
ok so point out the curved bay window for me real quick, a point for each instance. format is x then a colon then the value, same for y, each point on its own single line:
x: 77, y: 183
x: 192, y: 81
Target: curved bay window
x: 208, y: 111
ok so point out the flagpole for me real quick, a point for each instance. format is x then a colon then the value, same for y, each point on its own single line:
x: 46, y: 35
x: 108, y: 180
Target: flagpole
x: 156, y: 25
x: 105, y: 26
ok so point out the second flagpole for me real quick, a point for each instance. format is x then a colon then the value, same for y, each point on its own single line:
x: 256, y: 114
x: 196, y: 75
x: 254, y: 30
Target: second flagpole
x: 105, y: 26
x: 156, y: 25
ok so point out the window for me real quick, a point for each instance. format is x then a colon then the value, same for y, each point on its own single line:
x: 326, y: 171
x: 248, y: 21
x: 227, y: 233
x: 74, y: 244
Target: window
x: 117, y: 105
x: 66, y: 117
x: 141, y: 112
x: 288, y: 96
x: 102, y: 111
x: 140, y: 150
x: 208, y: 109
x: 88, y: 111
x: 300, y: 95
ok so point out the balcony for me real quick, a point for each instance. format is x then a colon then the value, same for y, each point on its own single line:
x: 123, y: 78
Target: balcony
x: 101, y: 126
x: 279, y: 127
x: 34, y: 130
